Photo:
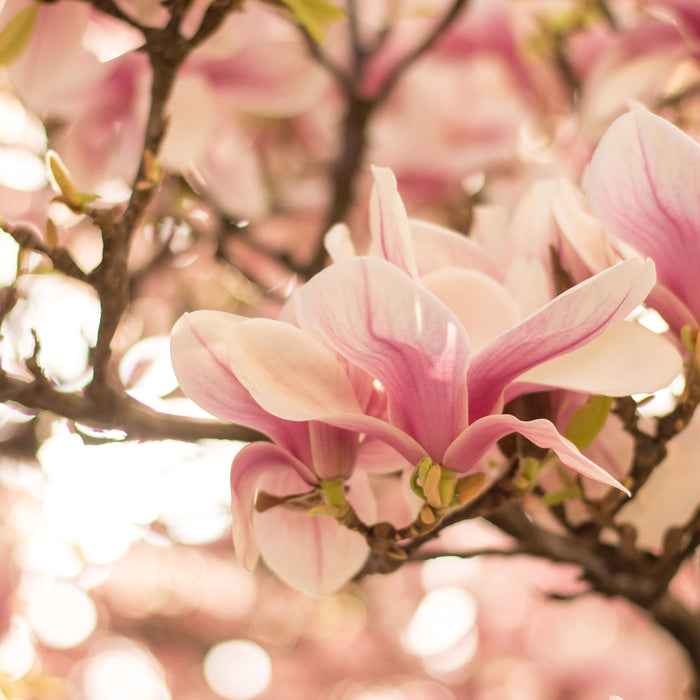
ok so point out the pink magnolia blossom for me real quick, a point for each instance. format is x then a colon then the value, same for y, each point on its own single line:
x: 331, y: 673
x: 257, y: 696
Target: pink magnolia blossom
x: 208, y: 354
x: 491, y: 298
x: 642, y: 183
x: 442, y: 403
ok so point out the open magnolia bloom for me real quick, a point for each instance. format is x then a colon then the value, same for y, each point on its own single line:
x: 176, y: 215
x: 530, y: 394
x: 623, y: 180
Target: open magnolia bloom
x: 308, y: 462
x: 443, y: 402
x: 643, y: 184
x: 625, y: 359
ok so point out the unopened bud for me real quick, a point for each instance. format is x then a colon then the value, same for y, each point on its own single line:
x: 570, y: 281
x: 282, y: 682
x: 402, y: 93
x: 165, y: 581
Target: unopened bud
x: 62, y: 180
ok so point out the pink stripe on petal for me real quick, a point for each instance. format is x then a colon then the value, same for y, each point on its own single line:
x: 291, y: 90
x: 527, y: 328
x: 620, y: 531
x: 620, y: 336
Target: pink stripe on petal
x: 379, y: 429
x: 313, y: 554
x: 473, y: 443
x: 390, y: 326
x: 643, y: 183
x: 250, y: 465
x: 565, y: 324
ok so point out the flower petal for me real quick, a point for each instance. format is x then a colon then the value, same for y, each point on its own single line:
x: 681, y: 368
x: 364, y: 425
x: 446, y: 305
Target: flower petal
x: 625, y: 359
x: 662, y: 503
x: 389, y: 223
x: 333, y: 450
x: 289, y: 373
x: 586, y: 234
x: 249, y: 466
x: 436, y: 247
x: 338, y: 243
x: 565, y: 324
x: 643, y: 182
x: 379, y: 429
x: 472, y: 444
x: 198, y: 348
x: 390, y: 326
x: 313, y: 554
x: 485, y: 307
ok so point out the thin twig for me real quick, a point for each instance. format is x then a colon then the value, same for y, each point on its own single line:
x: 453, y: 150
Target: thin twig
x: 422, y: 48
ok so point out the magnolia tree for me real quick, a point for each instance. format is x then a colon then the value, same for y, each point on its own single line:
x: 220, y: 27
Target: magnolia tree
x: 394, y: 304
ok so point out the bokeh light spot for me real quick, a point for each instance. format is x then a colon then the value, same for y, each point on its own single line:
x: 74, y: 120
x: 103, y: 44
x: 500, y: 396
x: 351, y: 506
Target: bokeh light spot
x: 62, y: 615
x: 123, y: 671
x: 442, y: 618
x: 16, y: 650
x: 237, y: 669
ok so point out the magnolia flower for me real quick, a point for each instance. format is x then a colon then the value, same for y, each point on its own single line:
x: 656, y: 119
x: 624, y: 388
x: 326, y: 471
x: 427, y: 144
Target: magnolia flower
x: 208, y: 353
x: 491, y: 298
x: 444, y: 404
x: 642, y: 183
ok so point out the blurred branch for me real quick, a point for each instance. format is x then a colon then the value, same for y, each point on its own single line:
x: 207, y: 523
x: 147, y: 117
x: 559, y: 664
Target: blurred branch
x: 428, y: 42
x: 675, y: 98
x: 124, y: 413
x: 59, y: 256
x: 359, y: 109
x: 167, y: 50
x: 468, y: 554
x: 104, y: 404
x: 684, y: 626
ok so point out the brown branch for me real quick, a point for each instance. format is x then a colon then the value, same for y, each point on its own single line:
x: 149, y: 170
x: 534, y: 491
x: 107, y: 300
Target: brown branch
x: 60, y: 258
x: 675, y: 98
x: 137, y: 421
x: 358, y: 111
x: 421, y: 49
x: 348, y: 164
x: 684, y: 626
x: 167, y: 50
x: 611, y: 573
x: 468, y: 554
x: 649, y: 450
x: 324, y: 61
x: 103, y: 403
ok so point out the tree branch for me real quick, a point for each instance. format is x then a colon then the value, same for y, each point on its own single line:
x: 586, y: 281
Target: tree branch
x: 137, y: 421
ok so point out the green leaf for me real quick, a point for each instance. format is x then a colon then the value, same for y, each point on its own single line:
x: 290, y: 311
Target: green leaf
x: 313, y: 14
x: 16, y: 34
x: 588, y: 420
x: 556, y: 497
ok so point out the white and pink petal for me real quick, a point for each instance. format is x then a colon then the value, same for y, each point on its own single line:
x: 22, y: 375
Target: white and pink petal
x: 312, y: 553
x: 643, y: 182
x: 252, y: 464
x: 565, y: 324
x: 625, y: 359
x: 473, y: 443
x: 399, y: 333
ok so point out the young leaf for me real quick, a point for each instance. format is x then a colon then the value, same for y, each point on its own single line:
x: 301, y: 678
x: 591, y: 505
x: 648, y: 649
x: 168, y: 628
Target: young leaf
x: 313, y: 14
x: 587, y: 421
x: 16, y: 34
